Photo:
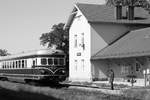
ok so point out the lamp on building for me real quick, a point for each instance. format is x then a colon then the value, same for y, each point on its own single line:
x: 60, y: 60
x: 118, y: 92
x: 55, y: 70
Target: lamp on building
x: 144, y: 72
x: 148, y: 71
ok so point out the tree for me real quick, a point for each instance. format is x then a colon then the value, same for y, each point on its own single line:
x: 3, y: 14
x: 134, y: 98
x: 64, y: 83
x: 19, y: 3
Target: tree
x: 56, y: 37
x: 4, y: 52
x: 139, y: 3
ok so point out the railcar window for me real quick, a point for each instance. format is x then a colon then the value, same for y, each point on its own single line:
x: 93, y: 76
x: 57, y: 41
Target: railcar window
x: 61, y: 61
x: 36, y: 61
x: 33, y: 62
x: 6, y: 65
x: 25, y: 63
x: 22, y: 63
x: 43, y: 61
x: 13, y: 64
x: 19, y: 63
x: 16, y: 64
x: 9, y: 64
x: 55, y: 61
x: 3, y: 65
x: 50, y: 61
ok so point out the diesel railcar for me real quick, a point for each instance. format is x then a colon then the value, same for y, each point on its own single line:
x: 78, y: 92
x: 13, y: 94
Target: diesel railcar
x: 38, y: 65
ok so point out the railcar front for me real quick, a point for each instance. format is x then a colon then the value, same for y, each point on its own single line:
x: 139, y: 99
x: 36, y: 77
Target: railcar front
x: 51, y: 67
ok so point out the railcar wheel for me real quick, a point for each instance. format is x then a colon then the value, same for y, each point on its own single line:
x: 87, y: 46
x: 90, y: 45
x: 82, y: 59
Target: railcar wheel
x: 32, y: 82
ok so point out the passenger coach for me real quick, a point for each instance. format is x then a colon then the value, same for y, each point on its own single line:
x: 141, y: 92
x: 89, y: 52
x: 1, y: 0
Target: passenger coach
x: 39, y: 65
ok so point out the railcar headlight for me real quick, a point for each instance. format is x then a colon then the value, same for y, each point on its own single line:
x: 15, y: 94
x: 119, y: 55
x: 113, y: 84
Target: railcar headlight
x: 63, y: 71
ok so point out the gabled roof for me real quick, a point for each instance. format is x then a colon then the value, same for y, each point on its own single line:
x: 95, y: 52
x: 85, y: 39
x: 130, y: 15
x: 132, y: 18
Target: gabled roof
x: 134, y: 44
x: 102, y: 13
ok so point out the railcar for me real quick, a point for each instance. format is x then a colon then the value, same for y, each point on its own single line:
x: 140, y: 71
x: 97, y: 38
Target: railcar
x: 38, y: 65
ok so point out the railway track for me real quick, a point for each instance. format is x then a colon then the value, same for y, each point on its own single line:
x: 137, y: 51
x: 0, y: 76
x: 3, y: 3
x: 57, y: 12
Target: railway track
x: 68, y: 86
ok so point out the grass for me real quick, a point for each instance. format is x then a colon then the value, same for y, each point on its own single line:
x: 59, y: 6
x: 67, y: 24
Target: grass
x: 17, y: 91
x: 6, y: 94
x: 142, y: 93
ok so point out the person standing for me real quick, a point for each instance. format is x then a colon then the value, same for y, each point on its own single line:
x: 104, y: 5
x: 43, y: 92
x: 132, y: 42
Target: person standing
x: 111, y: 78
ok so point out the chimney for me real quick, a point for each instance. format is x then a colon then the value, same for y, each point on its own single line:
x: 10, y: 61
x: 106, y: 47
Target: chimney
x: 118, y: 12
x: 130, y: 12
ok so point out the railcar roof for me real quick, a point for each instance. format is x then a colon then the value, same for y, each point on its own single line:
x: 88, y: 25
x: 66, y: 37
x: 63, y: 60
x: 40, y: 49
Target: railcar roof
x: 33, y: 53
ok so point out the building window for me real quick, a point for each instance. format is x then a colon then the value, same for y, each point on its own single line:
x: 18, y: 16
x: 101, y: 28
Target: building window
x: 75, y: 41
x: 137, y: 66
x: 125, y: 69
x: 82, y: 64
x: 76, y: 64
x: 82, y: 41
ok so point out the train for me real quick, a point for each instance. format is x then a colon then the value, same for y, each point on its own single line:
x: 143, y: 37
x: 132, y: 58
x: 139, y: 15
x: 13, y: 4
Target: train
x: 34, y: 66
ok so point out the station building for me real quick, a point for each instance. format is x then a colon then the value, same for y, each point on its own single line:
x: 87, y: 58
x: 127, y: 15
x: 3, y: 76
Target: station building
x: 106, y: 37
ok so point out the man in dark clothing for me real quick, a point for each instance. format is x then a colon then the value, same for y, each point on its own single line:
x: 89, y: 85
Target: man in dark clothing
x: 111, y: 78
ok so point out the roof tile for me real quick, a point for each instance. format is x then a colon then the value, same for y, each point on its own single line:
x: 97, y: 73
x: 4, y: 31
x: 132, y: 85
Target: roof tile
x: 135, y: 43
x: 103, y: 13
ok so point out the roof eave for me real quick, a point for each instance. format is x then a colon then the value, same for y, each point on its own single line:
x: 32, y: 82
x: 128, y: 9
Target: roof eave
x: 71, y: 17
x: 117, y: 22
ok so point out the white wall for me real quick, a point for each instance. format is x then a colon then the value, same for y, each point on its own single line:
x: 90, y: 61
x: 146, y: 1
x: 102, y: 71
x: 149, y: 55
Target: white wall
x: 94, y: 35
x: 80, y: 70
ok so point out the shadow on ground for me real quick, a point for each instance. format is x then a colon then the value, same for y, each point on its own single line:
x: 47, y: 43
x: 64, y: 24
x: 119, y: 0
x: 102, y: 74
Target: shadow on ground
x: 21, y: 95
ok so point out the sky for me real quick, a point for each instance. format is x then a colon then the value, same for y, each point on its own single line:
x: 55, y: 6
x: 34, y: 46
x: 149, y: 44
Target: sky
x: 23, y: 21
